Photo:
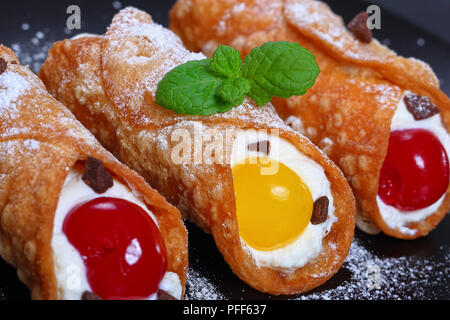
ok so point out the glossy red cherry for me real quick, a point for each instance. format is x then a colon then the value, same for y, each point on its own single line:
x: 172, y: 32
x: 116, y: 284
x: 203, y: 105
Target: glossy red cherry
x: 121, y: 246
x: 415, y: 172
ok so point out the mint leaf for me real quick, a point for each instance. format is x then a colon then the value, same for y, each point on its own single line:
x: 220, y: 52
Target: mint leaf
x: 234, y: 90
x: 226, y: 61
x: 191, y: 88
x: 279, y: 69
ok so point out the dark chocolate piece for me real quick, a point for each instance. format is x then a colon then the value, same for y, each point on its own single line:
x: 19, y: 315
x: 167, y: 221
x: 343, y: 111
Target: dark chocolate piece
x: 3, y: 65
x: 96, y: 176
x: 164, y: 295
x: 320, y: 210
x: 260, y: 146
x: 420, y: 107
x: 358, y: 25
x: 87, y: 295
x: 13, y: 62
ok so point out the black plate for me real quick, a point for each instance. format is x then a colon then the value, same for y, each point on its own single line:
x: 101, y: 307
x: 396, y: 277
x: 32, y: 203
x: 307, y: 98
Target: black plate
x: 378, y: 267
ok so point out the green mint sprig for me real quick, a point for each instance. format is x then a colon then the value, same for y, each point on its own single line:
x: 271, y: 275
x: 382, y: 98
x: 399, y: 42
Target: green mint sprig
x: 217, y: 84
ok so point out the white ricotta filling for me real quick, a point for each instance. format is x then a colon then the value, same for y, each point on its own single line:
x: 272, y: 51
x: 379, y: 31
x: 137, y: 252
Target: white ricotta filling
x: 309, y: 244
x: 403, y: 119
x: 70, y: 270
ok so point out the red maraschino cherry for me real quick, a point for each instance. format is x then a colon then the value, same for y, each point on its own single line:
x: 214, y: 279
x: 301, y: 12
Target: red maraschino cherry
x: 121, y: 246
x: 415, y: 172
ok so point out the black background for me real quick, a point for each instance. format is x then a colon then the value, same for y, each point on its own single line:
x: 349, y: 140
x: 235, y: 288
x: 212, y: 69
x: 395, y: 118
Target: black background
x: 411, y: 28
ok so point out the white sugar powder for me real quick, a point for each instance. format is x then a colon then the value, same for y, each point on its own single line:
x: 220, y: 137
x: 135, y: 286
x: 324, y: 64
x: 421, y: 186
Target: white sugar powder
x: 199, y: 287
x: 371, y: 276
x: 12, y: 85
x: 33, y: 51
x: 367, y: 270
x: 375, y: 277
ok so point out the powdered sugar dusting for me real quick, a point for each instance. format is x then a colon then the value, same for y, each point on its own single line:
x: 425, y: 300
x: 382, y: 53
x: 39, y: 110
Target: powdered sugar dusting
x: 126, y: 37
x: 33, y: 51
x: 386, y: 94
x: 167, y: 45
x: 295, y: 123
x: 397, y: 273
x: 310, y: 15
x: 367, y: 274
x: 26, y: 110
x: 199, y: 287
x: 164, y: 51
x: 12, y: 85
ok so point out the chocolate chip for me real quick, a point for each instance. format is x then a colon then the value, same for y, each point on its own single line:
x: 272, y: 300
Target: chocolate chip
x: 358, y: 26
x: 3, y: 65
x: 320, y: 210
x: 96, y: 176
x: 260, y: 146
x: 420, y: 107
x: 164, y: 295
x: 87, y: 295
x: 13, y: 62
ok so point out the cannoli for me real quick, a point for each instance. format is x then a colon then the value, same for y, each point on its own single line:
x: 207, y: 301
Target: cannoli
x: 75, y: 222
x: 381, y: 117
x: 285, y: 231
